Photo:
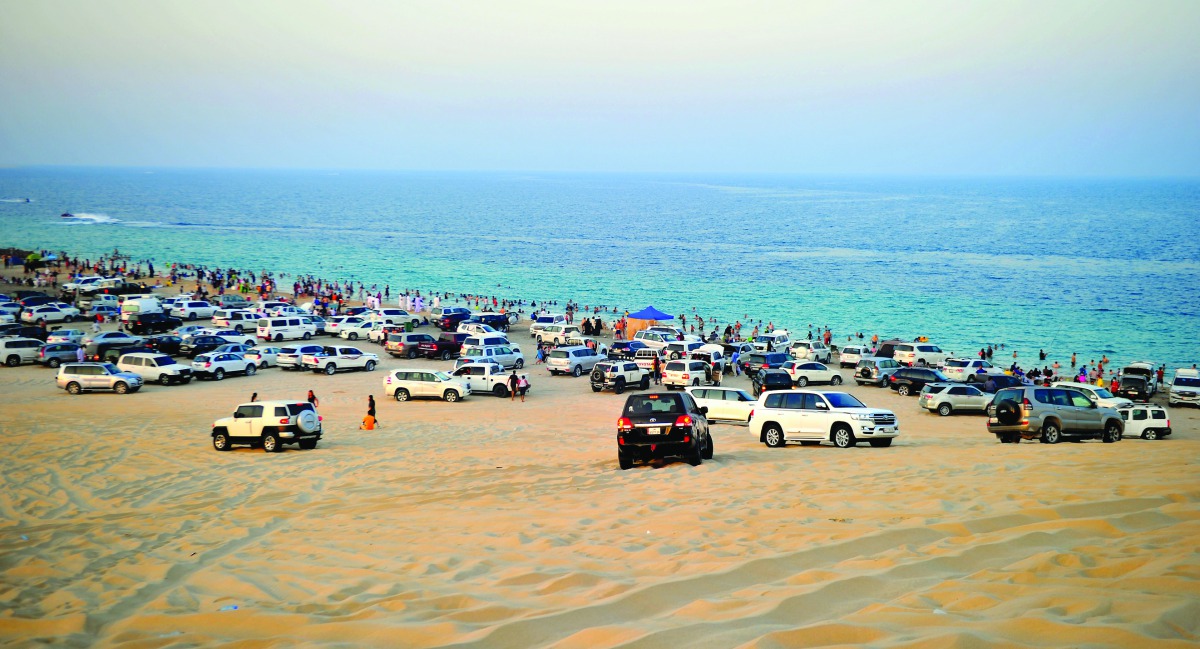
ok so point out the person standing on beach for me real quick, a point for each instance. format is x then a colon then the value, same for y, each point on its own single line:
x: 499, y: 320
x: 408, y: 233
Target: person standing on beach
x: 737, y: 371
x: 312, y: 398
x: 253, y: 397
x: 1161, y: 371
x: 371, y: 408
x: 656, y: 369
x: 523, y: 387
x: 513, y: 383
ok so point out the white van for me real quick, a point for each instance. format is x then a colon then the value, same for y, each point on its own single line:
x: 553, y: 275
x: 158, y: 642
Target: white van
x: 286, y: 328
x: 485, y: 340
x: 138, y: 306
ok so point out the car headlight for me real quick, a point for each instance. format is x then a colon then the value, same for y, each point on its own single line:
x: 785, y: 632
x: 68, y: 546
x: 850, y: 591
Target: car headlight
x: 861, y: 416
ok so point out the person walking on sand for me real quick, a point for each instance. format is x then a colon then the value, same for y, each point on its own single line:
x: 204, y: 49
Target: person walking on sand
x: 371, y: 408
x: 513, y: 382
x: 523, y: 386
x: 253, y: 397
x: 312, y: 398
x: 716, y: 374
x: 656, y: 369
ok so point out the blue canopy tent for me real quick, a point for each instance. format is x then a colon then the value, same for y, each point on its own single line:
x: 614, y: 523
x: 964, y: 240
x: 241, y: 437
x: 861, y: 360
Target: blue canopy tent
x: 644, y: 319
x: 651, y: 313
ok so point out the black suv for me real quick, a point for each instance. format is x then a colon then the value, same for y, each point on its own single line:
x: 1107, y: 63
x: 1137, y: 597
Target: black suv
x: 196, y: 345
x: 766, y: 380
x: 662, y: 425
x: 448, y: 345
x: 910, y: 380
x: 152, y: 323
x: 1134, y: 388
x: 752, y: 363
x: 24, y: 331
x: 166, y: 344
x: 450, y: 321
x: 497, y: 321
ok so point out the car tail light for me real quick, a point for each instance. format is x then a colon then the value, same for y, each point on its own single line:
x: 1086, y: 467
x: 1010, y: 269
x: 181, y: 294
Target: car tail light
x: 686, y: 377
x: 624, y: 424
x: 320, y: 418
x: 751, y: 416
x: 683, y: 420
x: 686, y: 439
x: 1025, y: 404
x: 621, y: 440
x: 208, y: 364
x: 284, y: 420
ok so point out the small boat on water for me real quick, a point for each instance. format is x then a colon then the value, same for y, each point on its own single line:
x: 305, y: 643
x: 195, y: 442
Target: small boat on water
x: 68, y: 215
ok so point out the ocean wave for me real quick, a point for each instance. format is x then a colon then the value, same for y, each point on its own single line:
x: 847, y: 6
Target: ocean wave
x: 16, y: 200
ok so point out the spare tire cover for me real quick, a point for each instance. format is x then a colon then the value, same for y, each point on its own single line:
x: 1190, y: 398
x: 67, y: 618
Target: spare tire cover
x: 865, y: 372
x: 1008, y: 413
x: 307, y: 421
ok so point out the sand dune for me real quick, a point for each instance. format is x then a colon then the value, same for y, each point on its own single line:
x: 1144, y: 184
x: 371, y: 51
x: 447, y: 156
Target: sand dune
x: 497, y: 524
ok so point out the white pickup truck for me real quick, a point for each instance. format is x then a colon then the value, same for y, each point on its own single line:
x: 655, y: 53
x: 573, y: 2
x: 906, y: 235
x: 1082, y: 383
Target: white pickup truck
x: 487, y: 377
x: 334, y: 358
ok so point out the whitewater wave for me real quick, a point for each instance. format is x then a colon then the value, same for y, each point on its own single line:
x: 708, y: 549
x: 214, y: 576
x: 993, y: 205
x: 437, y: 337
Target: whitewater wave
x: 84, y: 218
x: 16, y: 200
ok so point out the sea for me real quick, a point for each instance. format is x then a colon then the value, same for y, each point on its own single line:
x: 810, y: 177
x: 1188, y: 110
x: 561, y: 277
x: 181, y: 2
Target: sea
x: 1095, y: 267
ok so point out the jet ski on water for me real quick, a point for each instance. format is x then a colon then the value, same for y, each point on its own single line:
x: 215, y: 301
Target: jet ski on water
x: 67, y: 215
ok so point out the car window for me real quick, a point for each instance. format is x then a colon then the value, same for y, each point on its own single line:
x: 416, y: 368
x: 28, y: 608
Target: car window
x: 774, y: 399
x: 652, y: 404
x: 1139, y: 415
x: 794, y: 400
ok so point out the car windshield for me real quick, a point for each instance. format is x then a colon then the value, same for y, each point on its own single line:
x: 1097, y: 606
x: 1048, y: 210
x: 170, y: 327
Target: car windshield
x: 1187, y: 382
x: 544, y: 319
x: 843, y: 400
x: 109, y: 368
x: 1102, y: 393
x: 442, y: 376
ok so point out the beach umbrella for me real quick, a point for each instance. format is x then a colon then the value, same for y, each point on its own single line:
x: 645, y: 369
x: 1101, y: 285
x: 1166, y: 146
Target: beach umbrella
x: 651, y: 313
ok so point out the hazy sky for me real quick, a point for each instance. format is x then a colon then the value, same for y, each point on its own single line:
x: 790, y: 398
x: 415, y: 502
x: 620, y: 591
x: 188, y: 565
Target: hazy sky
x: 907, y: 87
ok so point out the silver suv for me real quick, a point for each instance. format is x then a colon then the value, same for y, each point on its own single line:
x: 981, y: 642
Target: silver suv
x: 874, y: 371
x: 80, y: 377
x: 270, y: 425
x: 619, y: 375
x: 1051, y: 414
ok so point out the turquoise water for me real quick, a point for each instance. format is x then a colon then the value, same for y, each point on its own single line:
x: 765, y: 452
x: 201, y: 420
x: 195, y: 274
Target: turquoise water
x: 1088, y: 266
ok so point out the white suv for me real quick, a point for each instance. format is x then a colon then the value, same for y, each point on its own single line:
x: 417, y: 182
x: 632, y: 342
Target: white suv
x: 920, y: 355
x: 572, y: 360
x: 776, y: 341
x: 405, y: 384
x: 965, y: 370
x: 192, y: 310
x: 155, y: 367
x: 1184, y: 388
x: 270, y: 425
x: 540, y: 321
x: 683, y: 373
x: 811, y: 417
x: 236, y: 319
x: 850, y: 355
x: 655, y: 339
x: 14, y: 351
x: 216, y: 365
x: 558, y: 333
x: 810, y: 350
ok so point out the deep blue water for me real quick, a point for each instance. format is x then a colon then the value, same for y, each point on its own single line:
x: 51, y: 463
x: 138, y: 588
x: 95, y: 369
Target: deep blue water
x: 1090, y: 266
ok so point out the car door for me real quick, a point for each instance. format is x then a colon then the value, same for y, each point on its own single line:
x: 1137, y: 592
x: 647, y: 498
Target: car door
x: 94, y: 377
x: 792, y: 415
x: 975, y: 399
x: 1085, y: 413
x: 244, y: 421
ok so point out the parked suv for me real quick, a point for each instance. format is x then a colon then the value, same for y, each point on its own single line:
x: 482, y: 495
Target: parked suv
x: 920, y: 355
x: 756, y: 361
x: 85, y: 377
x: 55, y: 354
x: 619, y: 375
x: 1096, y: 393
x: 948, y: 398
x: 291, y: 357
x: 1050, y: 414
x: 405, y: 384
x: 15, y: 351
x: 1184, y: 388
x: 766, y: 380
x: 810, y: 350
x: 151, y: 323
x: 406, y: 344
x: 874, y: 370
x: 910, y: 380
x: 661, y: 425
x: 1145, y: 421
x: 155, y: 367
x: 680, y: 374
x: 811, y: 417
x: 269, y: 425
x: 1135, y: 388
x: 572, y: 360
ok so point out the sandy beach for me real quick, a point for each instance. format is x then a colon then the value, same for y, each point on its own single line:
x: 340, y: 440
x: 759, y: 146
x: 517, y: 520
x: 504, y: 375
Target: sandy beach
x: 490, y: 523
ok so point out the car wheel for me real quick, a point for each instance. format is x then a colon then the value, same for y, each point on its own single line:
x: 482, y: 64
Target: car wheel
x: 1150, y: 434
x: 330, y: 369
x: 446, y: 355
x: 539, y: 339
x: 412, y: 353
x: 74, y: 388
x: 881, y: 443
x: 307, y: 336
x: 69, y: 318
x: 624, y: 461
x: 578, y: 371
x: 278, y: 338
x: 164, y: 379
x: 696, y: 456
x: 836, y: 380
x: 401, y: 394
x: 1112, y: 432
x: 500, y: 390
x: 451, y: 396
x: 370, y: 366
x: 708, y: 447
x: 270, y: 443
x: 1051, y: 434
x: 645, y: 383
x: 619, y: 385
x: 54, y: 362
x: 945, y: 409
x: 352, y: 336
x: 308, y: 444
x: 520, y: 363
x: 903, y: 390
x: 921, y: 362
x: 596, y: 387
x: 843, y: 437
x: 191, y: 316
x: 773, y: 436
x: 251, y: 369
x: 262, y: 365
x: 221, y: 442
x: 121, y: 387
x: 12, y: 361
x: 802, y: 381
x: 219, y: 374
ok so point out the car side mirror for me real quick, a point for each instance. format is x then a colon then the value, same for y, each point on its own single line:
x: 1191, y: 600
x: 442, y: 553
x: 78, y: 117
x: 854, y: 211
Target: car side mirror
x: 1092, y: 405
x: 704, y: 410
x: 822, y: 406
x: 237, y: 415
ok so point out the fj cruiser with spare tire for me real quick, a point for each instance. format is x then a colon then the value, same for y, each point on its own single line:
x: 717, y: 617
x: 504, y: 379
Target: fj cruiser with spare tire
x: 269, y: 425
x: 619, y: 375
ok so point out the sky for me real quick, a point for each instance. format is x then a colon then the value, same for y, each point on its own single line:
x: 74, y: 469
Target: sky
x: 909, y: 88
